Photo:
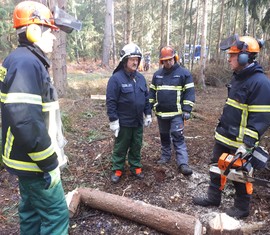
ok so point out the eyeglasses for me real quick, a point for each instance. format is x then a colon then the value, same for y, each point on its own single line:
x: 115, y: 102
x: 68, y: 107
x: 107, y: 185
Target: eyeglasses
x: 231, y: 55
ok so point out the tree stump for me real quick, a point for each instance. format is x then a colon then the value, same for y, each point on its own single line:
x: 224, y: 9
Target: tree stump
x: 223, y: 224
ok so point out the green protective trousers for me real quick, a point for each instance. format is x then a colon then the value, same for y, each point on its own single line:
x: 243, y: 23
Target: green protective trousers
x: 129, y: 141
x: 42, y: 211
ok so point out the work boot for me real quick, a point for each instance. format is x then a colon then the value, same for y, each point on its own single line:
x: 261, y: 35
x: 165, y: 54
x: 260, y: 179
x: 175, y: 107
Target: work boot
x: 237, y: 213
x: 241, y: 206
x: 185, y: 169
x: 213, y: 198
x: 115, y: 177
x: 162, y: 161
x: 205, y: 201
x: 138, y: 173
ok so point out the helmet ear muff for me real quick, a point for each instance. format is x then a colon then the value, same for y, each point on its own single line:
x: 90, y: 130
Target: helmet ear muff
x: 243, y: 56
x: 33, y: 33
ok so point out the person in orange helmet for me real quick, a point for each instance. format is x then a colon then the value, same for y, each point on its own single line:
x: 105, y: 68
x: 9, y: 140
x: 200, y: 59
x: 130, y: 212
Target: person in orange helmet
x: 172, y: 96
x: 245, y: 117
x: 32, y: 138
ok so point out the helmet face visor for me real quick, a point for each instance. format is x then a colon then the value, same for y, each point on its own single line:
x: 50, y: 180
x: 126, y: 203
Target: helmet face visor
x: 228, y: 43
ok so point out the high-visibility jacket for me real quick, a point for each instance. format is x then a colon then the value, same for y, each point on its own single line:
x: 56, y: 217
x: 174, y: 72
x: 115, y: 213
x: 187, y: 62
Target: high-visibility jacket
x: 246, y: 114
x: 172, y: 92
x: 29, y: 105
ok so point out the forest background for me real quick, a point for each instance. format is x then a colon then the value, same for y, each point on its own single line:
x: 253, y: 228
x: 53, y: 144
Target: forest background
x: 83, y: 61
x: 108, y: 25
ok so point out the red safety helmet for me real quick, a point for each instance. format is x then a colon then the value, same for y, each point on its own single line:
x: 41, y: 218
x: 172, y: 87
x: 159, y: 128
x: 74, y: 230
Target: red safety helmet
x: 167, y: 53
x: 30, y: 12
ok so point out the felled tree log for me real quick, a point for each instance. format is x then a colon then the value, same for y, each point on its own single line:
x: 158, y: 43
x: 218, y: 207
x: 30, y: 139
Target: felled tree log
x: 160, y: 219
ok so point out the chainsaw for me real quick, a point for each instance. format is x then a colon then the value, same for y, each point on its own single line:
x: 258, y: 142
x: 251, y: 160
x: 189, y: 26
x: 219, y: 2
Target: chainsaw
x: 241, y: 168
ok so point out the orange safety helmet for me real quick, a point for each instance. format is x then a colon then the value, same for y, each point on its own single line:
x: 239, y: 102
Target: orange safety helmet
x: 30, y: 12
x: 167, y: 53
x: 245, y: 44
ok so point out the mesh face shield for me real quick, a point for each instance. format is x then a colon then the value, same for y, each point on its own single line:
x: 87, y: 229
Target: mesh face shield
x: 64, y: 21
x: 229, y: 42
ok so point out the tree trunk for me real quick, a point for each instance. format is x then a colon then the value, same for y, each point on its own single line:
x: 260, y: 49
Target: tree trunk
x: 129, y: 21
x: 210, y: 31
x: 107, y: 34
x: 59, y: 64
x: 203, y: 44
x: 160, y: 219
x: 168, y: 21
x: 245, y: 29
x: 220, y: 29
x: 162, y: 25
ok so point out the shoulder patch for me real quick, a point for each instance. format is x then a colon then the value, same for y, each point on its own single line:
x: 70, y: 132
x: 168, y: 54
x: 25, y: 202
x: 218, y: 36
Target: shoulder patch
x: 3, y: 72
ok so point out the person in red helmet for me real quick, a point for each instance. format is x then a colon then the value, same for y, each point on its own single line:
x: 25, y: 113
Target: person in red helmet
x: 245, y: 117
x: 32, y: 138
x: 172, y: 96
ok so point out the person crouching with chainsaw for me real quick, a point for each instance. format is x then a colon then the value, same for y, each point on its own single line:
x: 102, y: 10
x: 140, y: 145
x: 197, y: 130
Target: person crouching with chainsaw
x: 245, y: 117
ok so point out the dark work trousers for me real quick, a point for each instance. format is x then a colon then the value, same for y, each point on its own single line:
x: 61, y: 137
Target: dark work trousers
x: 172, y: 130
x: 42, y: 211
x: 129, y: 141
x: 243, y: 190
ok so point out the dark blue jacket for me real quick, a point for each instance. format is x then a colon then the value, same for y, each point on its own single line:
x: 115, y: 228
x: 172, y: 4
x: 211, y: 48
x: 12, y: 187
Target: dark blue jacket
x: 172, y: 92
x: 246, y: 114
x: 127, y: 100
x: 27, y: 97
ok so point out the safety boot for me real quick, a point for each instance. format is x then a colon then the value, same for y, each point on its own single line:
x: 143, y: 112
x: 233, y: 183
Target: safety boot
x: 241, y: 206
x: 213, y: 198
x: 138, y: 173
x: 237, y: 213
x: 185, y: 169
x: 115, y: 177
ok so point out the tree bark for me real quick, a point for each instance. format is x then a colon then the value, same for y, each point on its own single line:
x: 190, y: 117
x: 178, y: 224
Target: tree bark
x: 160, y: 219
x: 203, y: 44
x: 59, y: 64
x: 107, y: 34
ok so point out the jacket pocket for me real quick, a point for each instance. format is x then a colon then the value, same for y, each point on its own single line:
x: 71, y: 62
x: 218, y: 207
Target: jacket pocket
x: 127, y: 89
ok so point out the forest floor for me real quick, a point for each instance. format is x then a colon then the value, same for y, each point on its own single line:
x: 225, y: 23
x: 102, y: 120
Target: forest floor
x: 90, y: 143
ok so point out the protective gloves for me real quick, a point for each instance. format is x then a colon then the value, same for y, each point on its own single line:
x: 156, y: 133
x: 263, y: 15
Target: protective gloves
x: 52, y: 178
x: 148, y: 120
x: 115, y: 127
x: 244, y: 150
x: 186, y: 115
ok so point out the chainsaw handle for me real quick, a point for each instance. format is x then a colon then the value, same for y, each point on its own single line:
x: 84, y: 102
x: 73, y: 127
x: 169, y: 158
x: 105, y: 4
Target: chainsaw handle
x: 226, y: 172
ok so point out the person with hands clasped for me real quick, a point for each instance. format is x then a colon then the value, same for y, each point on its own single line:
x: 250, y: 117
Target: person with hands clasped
x: 32, y: 138
x: 172, y: 96
x: 245, y: 118
x: 127, y: 103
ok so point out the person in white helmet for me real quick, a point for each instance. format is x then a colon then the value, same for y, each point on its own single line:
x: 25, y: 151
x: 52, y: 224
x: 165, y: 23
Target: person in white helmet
x: 128, y: 110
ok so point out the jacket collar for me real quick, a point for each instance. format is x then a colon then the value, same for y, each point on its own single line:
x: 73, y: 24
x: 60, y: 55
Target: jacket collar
x: 37, y: 52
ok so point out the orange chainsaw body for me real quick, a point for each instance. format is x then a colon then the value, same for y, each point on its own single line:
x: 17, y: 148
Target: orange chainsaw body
x: 226, y: 158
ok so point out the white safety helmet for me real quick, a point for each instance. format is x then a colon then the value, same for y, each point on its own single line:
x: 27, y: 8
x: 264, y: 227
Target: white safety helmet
x: 130, y: 50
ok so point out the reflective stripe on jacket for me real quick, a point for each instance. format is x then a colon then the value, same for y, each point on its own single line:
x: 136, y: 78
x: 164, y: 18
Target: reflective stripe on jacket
x: 27, y: 98
x: 246, y: 114
x: 172, y: 91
